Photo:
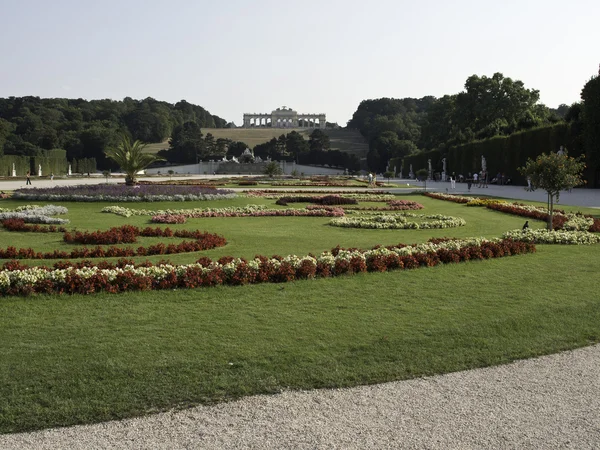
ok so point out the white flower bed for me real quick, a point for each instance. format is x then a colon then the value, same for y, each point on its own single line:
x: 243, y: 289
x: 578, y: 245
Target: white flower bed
x: 128, y: 212
x: 37, y: 214
x: 543, y: 236
x: 397, y: 221
x: 578, y: 223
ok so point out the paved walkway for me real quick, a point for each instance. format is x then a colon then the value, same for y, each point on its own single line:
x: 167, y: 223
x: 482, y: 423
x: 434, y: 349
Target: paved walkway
x: 577, y: 197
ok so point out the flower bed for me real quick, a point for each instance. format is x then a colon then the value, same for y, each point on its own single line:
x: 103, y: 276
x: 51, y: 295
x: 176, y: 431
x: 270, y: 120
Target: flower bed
x: 543, y: 236
x: 69, y: 279
x: 327, y: 200
x: 125, y: 234
x: 169, y: 218
x: 20, y: 225
x: 245, y: 211
x: 448, y: 197
x: 122, y: 193
x: 560, y: 219
x: 392, y: 205
x: 398, y: 221
x: 370, y: 196
x: 36, y: 214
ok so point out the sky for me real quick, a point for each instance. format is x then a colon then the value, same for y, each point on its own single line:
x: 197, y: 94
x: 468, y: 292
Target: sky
x: 233, y: 57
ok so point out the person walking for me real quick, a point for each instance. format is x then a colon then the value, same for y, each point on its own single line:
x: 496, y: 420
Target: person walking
x: 28, y: 177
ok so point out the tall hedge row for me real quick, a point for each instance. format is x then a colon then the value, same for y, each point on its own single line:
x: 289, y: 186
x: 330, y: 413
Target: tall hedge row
x: 51, y: 161
x: 21, y: 165
x: 503, y: 154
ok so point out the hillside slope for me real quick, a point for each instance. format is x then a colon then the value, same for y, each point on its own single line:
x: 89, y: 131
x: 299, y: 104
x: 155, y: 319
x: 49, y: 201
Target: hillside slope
x: 350, y: 141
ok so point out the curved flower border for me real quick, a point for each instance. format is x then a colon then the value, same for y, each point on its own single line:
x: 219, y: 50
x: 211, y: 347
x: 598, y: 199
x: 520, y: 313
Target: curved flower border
x: 398, y: 222
x: 543, y: 236
x: 21, y: 280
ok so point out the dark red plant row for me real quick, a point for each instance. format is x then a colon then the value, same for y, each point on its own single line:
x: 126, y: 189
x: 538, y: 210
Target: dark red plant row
x: 194, y: 277
x: 558, y: 221
x: 20, y: 225
x: 126, y: 234
x: 202, y: 241
x: 392, y: 205
x: 328, y: 200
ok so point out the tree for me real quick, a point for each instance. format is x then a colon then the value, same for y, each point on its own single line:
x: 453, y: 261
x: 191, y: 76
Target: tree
x: 423, y: 174
x: 590, y: 96
x: 554, y: 173
x: 495, y: 105
x: 273, y: 168
x: 296, y: 145
x: 130, y: 157
x: 319, y: 141
x: 186, y: 145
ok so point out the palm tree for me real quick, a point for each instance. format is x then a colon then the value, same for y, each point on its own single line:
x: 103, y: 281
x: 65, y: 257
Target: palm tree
x: 131, y: 158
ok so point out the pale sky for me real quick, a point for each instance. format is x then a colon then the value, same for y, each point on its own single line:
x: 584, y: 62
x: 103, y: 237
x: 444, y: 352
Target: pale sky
x: 324, y: 56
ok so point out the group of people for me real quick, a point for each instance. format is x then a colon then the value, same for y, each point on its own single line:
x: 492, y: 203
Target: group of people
x: 480, y: 179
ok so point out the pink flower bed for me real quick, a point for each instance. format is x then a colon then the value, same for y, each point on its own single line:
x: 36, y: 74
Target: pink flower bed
x: 169, y: 218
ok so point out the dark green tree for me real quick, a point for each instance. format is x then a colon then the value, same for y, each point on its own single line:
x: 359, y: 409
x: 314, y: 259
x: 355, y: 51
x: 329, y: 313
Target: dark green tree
x: 319, y: 141
x: 590, y: 97
x: 186, y: 145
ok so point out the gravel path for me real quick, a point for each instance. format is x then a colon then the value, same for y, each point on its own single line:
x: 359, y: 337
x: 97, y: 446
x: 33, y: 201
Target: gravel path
x: 548, y: 402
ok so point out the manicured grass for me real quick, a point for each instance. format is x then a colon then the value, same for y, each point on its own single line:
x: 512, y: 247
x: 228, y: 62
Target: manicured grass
x: 81, y: 359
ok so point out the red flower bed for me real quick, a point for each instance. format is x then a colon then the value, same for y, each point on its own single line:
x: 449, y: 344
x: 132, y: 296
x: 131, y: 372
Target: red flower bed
x: 273, y: 269
x: 558, y: 220
x: 125, y: 234
x: 20, y: 225
x: 329, y: 200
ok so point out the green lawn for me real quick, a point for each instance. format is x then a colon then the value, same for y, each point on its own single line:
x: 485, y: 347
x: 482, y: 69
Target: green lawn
x: 81, y: 359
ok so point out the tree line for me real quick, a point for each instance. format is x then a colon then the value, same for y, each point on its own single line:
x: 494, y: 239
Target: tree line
x: 86, y: 129
x: 188, y: 145
x: 486, y: 108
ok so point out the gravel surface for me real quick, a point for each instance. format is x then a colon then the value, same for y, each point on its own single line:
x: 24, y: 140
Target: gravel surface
x: 549, y: 402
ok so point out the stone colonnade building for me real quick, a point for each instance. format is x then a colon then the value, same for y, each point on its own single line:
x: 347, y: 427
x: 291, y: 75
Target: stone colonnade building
x: 284, y: 118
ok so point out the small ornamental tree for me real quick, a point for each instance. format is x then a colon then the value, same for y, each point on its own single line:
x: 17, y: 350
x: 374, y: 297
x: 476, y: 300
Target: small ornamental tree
x: 388, y: 175
x: 422, y: 174
x: 554, y: 173
x: 131, y: 158
x: 273, y: 168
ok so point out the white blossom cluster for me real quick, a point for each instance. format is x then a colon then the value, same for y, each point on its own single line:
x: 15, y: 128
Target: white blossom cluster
x: 37, y: 214
x: 398, y: 221
x: 128, y: 212
x: 578, y: 223
x: 543, y: 236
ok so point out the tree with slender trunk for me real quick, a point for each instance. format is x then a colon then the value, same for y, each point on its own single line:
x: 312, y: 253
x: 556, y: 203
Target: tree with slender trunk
x: 131, y: 158
x: 422, y: 174
x: 554, y: 173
